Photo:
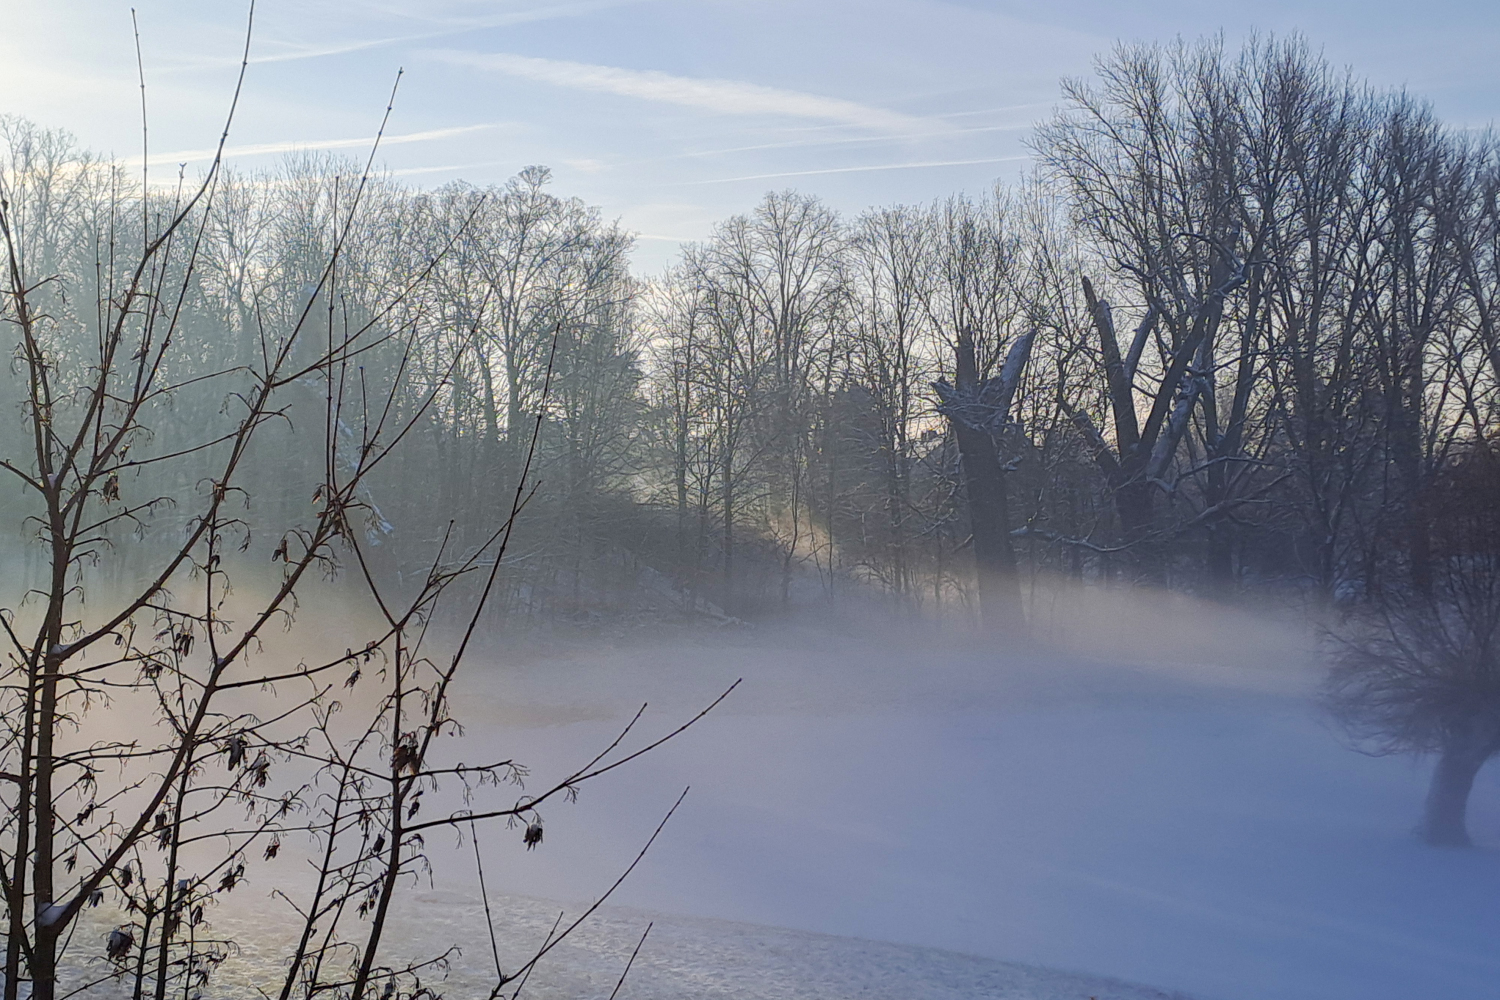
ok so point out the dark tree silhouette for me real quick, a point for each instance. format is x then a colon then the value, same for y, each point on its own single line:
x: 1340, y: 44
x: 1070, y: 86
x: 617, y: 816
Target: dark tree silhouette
x: 1418, y: 669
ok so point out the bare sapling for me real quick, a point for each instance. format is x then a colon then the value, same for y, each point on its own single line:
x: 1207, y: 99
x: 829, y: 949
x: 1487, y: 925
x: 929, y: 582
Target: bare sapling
x: 168, y: 726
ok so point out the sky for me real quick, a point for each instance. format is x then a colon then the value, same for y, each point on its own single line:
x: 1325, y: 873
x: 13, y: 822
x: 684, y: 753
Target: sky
x: 667, y: 114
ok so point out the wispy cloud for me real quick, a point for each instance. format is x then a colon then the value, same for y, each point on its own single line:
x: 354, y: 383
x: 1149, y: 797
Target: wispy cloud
x: 448, y: 168
x: 440, y: 28
x: 265, y: 148
x: 729, y: 97
x: 849, y: 140
x: 996, y: 111
x: 544, y: 13
x: 863, y: 169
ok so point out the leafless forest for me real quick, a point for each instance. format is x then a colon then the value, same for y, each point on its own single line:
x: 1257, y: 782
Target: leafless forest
x: 1236, y: 335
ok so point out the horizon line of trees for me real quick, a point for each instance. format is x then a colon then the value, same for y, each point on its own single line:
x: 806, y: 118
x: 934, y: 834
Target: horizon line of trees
x: 1238, y: 330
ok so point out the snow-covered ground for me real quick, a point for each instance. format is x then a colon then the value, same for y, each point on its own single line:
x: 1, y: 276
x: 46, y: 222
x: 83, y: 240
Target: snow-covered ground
x: 682, y: 958
x: 694, y: 958
x: 1162, y: 804
x: 1149, y: 795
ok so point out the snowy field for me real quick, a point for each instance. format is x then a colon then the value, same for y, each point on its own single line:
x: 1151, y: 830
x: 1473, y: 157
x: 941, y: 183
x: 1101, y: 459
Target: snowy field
x: 693, y: 958
x: 1148, y: 796
x: 1182, y: 817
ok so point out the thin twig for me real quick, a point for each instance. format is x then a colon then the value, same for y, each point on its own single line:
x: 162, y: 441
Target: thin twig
x: 631, y: 961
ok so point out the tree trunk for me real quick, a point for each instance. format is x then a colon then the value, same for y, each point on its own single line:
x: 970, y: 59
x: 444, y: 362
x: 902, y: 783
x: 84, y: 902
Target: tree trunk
x: 1133, y: 504
x: 989, y: 511
x: 729, y: 604
x: 1444, y: 823
x: 989, y: 520
x: 1220, y: 559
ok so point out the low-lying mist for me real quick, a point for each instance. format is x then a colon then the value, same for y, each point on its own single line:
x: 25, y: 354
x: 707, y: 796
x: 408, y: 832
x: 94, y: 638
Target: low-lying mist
x: 1146, y: 789
x: 1149, y: 791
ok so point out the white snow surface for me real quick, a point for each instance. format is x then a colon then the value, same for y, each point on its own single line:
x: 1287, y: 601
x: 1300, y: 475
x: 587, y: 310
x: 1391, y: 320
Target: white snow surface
x: 1154, y: 797
x: 681, y: 958
x: 1149, y: 794
x: 694, y: 958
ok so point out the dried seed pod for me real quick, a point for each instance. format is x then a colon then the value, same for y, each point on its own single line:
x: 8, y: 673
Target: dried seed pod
x: 231, y: 878
x: 405, y: 756
x: 260, y: 770
x: 236, y: 750
x: 119, y: 943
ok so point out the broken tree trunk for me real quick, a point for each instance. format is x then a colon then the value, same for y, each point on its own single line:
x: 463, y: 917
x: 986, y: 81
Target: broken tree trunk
x: 977, y: 411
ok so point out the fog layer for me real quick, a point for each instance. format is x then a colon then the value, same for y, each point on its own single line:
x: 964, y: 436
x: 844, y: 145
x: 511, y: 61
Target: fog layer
x: 1176, y: 813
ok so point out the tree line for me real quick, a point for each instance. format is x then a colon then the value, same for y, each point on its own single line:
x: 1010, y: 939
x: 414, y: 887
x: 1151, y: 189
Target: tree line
x: 1246, y: 301
x: 1236, y: 332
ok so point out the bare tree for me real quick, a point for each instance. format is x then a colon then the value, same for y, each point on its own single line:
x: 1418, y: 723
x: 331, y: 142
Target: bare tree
x: 892, y: 350
x: 1418, y: 670
x: 978, y: 306
x: 160, y: 727
x: 1150, y: 160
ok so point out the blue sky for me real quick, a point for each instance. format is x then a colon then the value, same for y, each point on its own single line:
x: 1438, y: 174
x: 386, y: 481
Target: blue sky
x: 669, y: 114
